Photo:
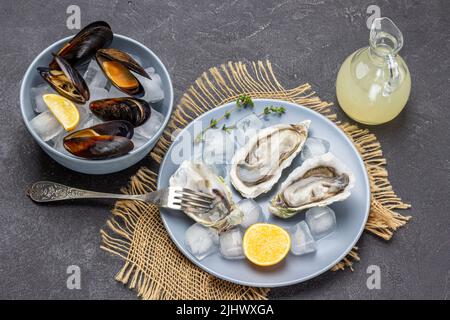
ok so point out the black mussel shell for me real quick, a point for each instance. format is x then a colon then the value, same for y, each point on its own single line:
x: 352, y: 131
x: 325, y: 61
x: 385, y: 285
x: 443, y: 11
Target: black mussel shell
x: 83, y: 46
x: 98, y: 147
x: 117, y: 67
x: 120, y: 128
x: 136, y: 111
x: 67, y: 81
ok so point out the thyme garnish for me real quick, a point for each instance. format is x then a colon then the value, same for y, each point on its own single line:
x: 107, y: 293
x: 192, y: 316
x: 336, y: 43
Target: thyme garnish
x: 242, y: 102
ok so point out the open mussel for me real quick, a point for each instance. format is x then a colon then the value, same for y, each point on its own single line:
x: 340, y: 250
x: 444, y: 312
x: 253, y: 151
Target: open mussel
x: 66, y: 80
x: 106, y: 140
x: 84, y: 45
x: 136, y: 111
x: 98, y: 147
x: 117, y: 66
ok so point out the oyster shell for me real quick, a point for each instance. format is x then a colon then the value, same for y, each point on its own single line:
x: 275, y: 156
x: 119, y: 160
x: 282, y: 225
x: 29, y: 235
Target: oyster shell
x: 198, y: 176
x: 258, y: 165
x: 318, y: 182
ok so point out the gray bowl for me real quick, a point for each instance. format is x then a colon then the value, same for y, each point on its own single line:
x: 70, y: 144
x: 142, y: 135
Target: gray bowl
x: 32, y: 79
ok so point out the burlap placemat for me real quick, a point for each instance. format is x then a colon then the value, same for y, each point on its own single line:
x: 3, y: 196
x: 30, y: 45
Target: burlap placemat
x: 153, y: 265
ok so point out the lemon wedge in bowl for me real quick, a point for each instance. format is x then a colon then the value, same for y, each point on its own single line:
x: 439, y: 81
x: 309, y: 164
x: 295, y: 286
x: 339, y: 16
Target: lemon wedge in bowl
x: 266, y: 244
x: 63, y: 109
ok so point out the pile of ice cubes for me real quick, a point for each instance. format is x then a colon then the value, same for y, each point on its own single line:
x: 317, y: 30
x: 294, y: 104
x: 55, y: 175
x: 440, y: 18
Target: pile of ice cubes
x: 218, y: 146
x: 49, y: 129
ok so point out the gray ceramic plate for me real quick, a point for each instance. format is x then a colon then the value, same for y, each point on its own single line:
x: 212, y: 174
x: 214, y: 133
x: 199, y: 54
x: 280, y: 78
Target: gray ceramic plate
x: 351, y: 214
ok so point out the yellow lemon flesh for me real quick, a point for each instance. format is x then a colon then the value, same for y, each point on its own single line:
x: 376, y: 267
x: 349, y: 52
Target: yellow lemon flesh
x: 266, y: 244
x: 63, y: 109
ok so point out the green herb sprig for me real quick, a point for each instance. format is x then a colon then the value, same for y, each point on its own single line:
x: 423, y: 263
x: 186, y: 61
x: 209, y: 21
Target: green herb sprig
x: 274, y: 110
x: 242, y: 102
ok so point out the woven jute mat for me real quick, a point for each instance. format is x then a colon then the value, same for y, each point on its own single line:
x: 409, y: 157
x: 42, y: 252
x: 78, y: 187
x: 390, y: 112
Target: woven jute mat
x: 153, y: 266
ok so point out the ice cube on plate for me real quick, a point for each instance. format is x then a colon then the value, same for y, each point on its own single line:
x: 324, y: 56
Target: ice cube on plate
x: 246, y: 128
x: 218, y: 148
x: 302, y: 241
x: 321, y: 221
x: 39, y: 105
x: 94, y: 76
x: 231, y: 244
x: 201, y: 241
x: 314, y: 147
x: 196, y: 152
x: 46, y: 126
x: 252, y: 212
x: 151, y: 126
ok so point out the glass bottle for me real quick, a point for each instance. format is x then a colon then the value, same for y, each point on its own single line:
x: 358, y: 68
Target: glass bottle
x: 373, y: 84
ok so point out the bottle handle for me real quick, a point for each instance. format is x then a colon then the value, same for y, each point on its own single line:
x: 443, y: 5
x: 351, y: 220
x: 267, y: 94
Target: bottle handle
x: 394, y: 75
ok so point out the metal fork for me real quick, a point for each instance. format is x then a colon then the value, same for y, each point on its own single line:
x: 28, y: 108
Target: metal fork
x: 173, y: 197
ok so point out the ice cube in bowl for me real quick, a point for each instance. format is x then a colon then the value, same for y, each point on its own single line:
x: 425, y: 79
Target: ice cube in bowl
x: 94, y: 76
x: 46, y: 126
x: 32, y: 79
x: 150, y: 127
x: 38, y: 92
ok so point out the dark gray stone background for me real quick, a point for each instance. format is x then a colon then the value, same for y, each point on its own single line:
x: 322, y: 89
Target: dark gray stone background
x: 306, y: 41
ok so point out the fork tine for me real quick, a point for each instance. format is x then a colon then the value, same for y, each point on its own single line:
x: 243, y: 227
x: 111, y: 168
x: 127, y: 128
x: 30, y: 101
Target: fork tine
x: 189, y: 197
x: 195, y: 204
x: 197, y: 193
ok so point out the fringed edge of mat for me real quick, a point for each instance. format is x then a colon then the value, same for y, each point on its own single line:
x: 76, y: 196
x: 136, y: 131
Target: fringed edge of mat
x: 217, y: 87
x: 382, y: 220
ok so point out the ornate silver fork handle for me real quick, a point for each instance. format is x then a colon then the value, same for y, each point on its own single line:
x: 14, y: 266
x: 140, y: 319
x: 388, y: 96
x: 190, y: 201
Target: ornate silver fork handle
x: 172, y: 197
x: 46, y: 191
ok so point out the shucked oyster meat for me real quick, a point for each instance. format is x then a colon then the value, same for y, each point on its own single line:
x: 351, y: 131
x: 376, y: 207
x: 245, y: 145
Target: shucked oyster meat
x: 318, y: 182
x: 258, y: 165
x: 200, y: 177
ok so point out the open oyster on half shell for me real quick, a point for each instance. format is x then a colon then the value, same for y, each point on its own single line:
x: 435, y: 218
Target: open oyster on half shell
x: 200, y: 177
x: 257, y: 166
x: 318, y: 182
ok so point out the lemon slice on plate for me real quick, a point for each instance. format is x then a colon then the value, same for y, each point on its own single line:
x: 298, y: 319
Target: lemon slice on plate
x: 266, y: 244
x: 63, y: 109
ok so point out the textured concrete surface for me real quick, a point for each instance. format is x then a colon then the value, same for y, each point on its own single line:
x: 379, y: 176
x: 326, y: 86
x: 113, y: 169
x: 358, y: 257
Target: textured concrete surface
x: 306, y: 41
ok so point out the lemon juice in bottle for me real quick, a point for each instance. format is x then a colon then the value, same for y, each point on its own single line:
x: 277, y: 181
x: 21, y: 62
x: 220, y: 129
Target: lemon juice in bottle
x: 373, y: 83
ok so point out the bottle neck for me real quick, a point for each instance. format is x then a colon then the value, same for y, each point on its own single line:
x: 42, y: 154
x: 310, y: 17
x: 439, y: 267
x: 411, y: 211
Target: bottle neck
x: 381, y: 56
